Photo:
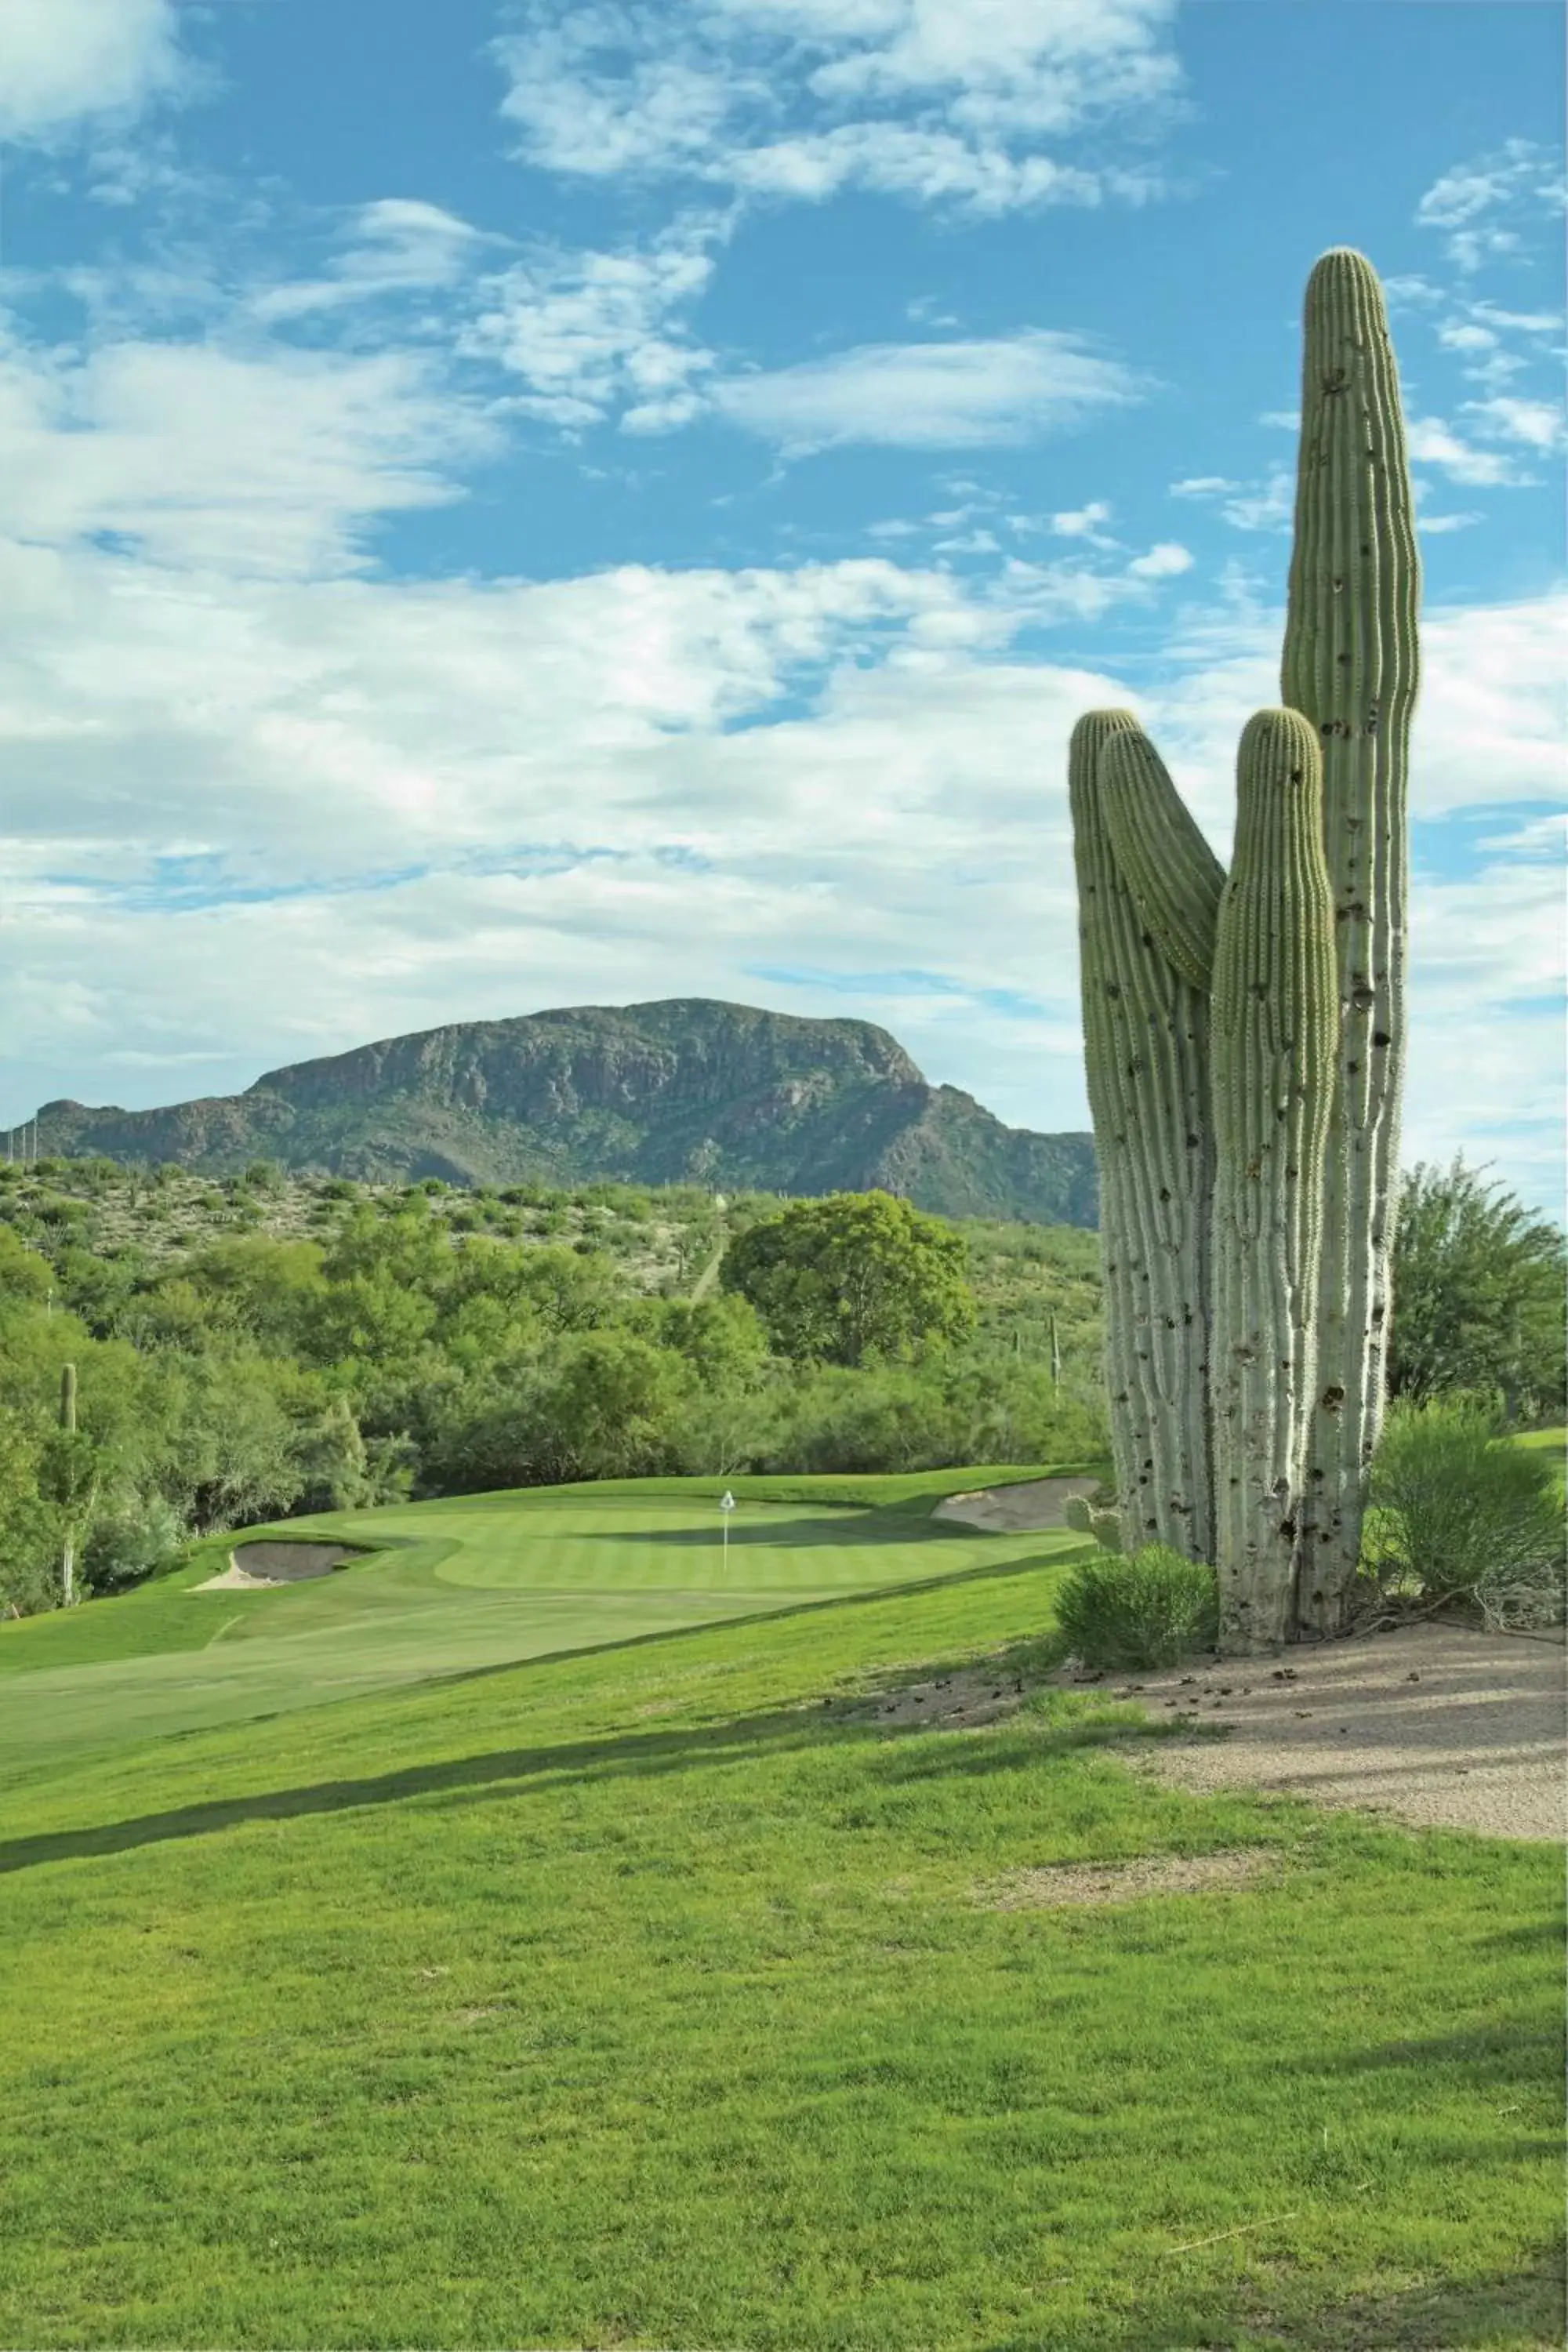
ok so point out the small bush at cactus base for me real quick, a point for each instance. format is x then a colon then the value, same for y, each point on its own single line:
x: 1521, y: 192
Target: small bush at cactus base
x: 1152, y: 1609
x: 1458, y: 1514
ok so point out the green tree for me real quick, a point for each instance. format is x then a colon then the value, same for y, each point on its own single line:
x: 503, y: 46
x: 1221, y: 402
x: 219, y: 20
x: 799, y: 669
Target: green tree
x: 607, y: 1405
x: 273, y: 1290
x: 1478, y: 1295
x: 851, y: 1277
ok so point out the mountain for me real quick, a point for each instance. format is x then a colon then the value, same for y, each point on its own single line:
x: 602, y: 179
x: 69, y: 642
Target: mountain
x: 684, y: 1090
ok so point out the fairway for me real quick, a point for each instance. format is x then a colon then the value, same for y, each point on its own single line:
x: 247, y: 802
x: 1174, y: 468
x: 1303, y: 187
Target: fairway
x: 673, y: 1993
x: 449, y: 1587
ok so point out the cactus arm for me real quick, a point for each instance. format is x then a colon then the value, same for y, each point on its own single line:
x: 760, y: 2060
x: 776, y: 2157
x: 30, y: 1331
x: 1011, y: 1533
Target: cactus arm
x: 1351, y: 665
x: 1105, y: 1054
x: 1146, y: 1041
x: 1272, y: 1045
x: 1174, y: 876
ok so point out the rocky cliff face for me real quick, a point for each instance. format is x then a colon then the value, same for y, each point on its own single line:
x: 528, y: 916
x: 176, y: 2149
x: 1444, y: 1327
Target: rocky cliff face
x: 687, y: 1088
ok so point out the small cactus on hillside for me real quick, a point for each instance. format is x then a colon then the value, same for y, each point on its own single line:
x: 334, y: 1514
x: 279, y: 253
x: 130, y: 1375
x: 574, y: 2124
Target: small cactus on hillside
x: 1086, y: 1519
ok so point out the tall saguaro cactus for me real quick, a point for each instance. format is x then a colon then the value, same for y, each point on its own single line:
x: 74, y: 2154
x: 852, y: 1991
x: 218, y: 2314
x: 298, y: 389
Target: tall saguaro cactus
x: 1244, y: 1038
x: 1349, y: 665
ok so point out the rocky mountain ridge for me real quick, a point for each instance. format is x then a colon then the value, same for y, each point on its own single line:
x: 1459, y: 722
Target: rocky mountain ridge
x: 684, y: 1090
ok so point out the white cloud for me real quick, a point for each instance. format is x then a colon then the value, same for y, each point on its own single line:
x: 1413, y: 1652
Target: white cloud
x: 258, y: 818
x: 1464, y: 335
x: 1269, y: 508
x: 1083, y: 523
x: 1518, y: 182
x: 590, y: 332
x: 269, y: 461
x: 1162, y: 561
x: 1258, y: 505
x: 1432, y: 443
x: 912, y: 98
x: 897, y: 159
x: 63, y: 62
x: 399, y: 245
x: 932, y: 396
x: 1439, y: 523
x: 1538, y: 422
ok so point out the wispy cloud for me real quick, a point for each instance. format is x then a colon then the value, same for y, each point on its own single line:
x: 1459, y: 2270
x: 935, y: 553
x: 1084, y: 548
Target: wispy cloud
x: 233, y: 460
x: 800, y: 98
x: 1487, y: 204
x: 593, y: 332
x: 396, y: 246
x: 1433, y: 443
x: 932, y: 395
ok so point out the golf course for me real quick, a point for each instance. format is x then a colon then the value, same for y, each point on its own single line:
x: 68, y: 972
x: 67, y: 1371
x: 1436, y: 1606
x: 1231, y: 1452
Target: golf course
x: 449, y: 1587
x: 556, y: 1926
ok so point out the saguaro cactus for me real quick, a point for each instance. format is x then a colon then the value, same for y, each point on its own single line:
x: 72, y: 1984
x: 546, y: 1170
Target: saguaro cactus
x: 1350, y: 666
x: 1273, y: 1030
x: 67, y: 1548
x: 1145, y: 1042
x: 1198, y: 1212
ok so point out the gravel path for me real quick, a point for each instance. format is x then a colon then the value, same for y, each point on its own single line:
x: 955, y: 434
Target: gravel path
x: 1432, y: 1725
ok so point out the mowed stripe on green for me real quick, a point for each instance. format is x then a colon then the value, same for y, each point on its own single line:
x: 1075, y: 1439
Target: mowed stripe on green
x: 451, y: 1586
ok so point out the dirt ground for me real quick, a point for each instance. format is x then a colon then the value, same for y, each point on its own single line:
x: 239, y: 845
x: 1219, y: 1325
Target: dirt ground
x: 1433, y: 1725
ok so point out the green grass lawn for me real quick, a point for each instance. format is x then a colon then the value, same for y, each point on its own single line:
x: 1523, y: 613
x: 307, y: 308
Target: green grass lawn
x: 481, y: 1581
x: 652, y: 1995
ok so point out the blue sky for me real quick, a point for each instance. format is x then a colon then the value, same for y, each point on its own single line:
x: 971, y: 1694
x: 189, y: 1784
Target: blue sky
x: 505, y: 506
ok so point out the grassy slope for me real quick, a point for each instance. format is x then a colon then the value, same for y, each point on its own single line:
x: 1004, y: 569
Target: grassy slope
x: 643, y: 1998
x: 473, y: 1581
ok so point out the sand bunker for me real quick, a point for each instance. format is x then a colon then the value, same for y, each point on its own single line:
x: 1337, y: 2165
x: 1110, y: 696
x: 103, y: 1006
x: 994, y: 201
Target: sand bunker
x: 1028, y: 1508
x: 254, y: 1566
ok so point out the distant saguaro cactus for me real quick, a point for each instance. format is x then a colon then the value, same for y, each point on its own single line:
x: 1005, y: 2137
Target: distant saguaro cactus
x: 1244, y: 1039
x: 68, y: 1422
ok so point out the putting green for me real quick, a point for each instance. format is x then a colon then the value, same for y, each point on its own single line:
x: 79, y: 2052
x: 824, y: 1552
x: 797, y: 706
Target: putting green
x: 451, y: 1586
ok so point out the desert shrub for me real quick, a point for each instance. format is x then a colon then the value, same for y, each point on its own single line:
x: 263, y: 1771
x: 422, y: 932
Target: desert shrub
x: 1460, y: 1514
x: 133, y: 1538
x: 1150, y: 1610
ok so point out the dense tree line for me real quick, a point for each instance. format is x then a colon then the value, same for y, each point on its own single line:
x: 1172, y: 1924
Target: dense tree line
x: 406, y: 1352
x: 397, y: 1357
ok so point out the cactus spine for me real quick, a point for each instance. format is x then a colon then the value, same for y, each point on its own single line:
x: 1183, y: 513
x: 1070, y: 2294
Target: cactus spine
x: 1274, y: 1032
x: 68, y: 1549
x: 1351, y: 665
x: 1145, y: 1031
x: 1260, y: 1190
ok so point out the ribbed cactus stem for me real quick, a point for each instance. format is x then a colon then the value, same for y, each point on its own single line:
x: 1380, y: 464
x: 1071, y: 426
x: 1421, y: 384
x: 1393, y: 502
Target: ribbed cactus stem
x: 1272, y: 1042
x: 1153, y: 1042
x: 1173, y: 875
x: 1107, y: 1048
x: 1350, y: 664
x: 67, y: 1546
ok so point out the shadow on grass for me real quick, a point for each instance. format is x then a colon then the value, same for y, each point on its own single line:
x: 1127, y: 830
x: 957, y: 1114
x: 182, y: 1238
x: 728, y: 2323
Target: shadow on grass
x: 779, y: 1732
x: 844, y: 1534
x: 1521, y: 2309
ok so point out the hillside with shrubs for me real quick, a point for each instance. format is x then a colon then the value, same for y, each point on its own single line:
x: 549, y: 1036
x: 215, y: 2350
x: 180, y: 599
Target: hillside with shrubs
x: 264, y: 1344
